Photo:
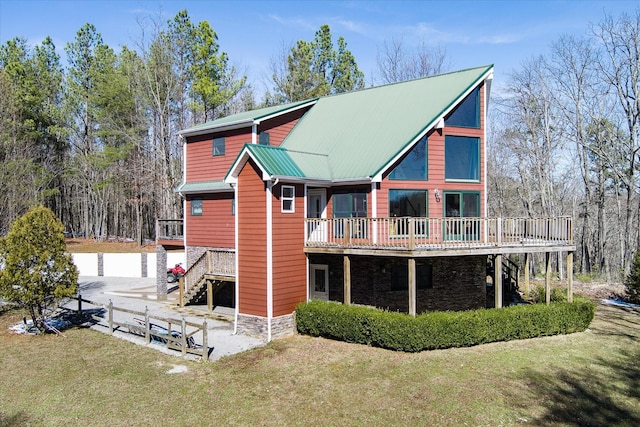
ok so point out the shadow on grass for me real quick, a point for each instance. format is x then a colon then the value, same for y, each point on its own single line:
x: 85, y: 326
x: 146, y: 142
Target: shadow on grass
x: 18, y: 419
x: 603, y: 392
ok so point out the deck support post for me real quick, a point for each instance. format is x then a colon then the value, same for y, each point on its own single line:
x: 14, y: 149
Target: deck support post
x: 570, y: 277
x: 527, y: 260
x: 347, y: 280
x: 412, y: 286
x: 547, y: 277
x: 210, y: 296
x: 497, y: 280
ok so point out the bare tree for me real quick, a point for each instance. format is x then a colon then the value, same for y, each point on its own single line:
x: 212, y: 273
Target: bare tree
x: 397, y: 63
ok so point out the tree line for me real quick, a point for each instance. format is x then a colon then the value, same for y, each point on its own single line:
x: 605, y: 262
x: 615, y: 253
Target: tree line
x: 97, y: 140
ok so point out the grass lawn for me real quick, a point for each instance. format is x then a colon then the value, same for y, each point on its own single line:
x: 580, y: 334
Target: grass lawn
x: 90, y: 378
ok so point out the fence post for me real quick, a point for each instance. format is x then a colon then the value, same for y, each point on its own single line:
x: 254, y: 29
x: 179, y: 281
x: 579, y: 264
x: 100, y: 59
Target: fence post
x: 181, y: 286
x: 205, y: 342
x: 110, y: 317
x: 183, y: 336
x: 147, y: 326
x: 79, y: 306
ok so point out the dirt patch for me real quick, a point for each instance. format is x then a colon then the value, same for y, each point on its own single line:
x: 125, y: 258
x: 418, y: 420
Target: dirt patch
x: 77, y: 245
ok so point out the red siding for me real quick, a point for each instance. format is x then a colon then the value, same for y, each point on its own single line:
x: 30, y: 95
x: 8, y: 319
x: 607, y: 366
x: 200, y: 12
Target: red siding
x: 279, y: 127
x: 289, y: 260
x: 252, y: 242
x: 436, y: 161
x: 202, y: 165
x: 216, y: 226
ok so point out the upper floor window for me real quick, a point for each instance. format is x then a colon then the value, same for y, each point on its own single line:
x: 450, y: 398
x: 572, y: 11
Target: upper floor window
x: 467, y: 113
x: 288, y: 196
x: 263, y: 138
x: 414, y: 165
x: 218, y: 146
x: 196, y: 207
x: 461, y: 158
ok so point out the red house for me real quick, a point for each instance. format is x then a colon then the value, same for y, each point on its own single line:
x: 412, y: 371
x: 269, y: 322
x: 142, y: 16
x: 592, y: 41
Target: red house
x: 374, y: 197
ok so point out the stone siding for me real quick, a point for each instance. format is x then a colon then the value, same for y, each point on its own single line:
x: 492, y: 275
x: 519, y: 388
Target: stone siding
x: 459, y: 283
x: 257, y: 326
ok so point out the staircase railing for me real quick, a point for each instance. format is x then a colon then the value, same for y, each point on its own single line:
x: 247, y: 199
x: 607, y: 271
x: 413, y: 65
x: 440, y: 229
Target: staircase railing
x: 221, y: 262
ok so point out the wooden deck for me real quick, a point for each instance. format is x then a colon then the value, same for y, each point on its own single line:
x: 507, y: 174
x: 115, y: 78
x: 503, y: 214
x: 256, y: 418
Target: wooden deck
x: 409, y: 236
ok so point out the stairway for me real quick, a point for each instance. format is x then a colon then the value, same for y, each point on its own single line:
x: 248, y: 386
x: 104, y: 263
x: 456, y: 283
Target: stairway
x: 510, y: 281
x: 211, y: 271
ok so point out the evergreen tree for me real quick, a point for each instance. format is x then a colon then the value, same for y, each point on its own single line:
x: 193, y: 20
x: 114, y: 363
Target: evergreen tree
x: 314, y: 68
x: 632, y: 282
x: 37, y: 271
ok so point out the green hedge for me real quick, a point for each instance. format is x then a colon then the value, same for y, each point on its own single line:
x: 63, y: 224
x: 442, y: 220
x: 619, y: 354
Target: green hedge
x: 435, y: 330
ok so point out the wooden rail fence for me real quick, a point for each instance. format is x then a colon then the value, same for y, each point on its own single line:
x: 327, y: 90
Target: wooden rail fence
x: 181, y: 340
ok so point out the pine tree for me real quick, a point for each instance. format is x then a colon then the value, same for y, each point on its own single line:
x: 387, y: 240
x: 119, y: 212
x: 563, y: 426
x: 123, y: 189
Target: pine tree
x: 632, y: 282
x: 37, y: 271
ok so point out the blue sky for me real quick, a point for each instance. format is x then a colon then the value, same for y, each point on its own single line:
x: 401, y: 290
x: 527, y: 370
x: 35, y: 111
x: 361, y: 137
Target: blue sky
x: 504, y: 33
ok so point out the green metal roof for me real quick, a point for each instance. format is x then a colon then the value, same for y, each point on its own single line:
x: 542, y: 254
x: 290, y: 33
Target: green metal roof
x: 203, y: 187
x: 279, y: 162
x: 360, y: 132
x: 244, y: 117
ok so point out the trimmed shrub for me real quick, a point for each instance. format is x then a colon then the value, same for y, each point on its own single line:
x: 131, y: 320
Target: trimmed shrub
x: 438, y: 330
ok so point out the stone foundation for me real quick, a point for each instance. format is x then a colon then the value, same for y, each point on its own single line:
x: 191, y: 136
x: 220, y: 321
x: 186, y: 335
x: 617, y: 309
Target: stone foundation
x: 458, y: 283
x: 257, y: 326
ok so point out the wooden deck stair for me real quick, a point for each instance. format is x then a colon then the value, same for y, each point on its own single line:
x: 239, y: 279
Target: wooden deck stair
x: 208, y: 275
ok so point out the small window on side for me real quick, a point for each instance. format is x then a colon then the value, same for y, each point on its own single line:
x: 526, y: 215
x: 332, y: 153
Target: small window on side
x: 287, y: 197
x: 218, y: 147
x: 196, y: 207
x: 263, y: 138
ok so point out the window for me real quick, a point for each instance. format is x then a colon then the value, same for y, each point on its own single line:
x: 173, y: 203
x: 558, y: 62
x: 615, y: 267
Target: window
x: 414, y: 165
x: 196, y: 207
x: 467, y: 113
x: 288, y: 194
x: 400, y: 277
x: 218, y: 146
x: 408, y: 203
x: 461, y: 158
x: 462, y: 204
x: 233, y: 205
x: 350, y: 205
x: 263, y: 138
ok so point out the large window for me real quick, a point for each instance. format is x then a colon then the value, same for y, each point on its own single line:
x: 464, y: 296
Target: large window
x: 414, y: 165
x: 218, y: 146
x: 350, y: 205
x: 461, y: 158
x: 467, y: 113
x: 408, y: 203
x: 464, y: 209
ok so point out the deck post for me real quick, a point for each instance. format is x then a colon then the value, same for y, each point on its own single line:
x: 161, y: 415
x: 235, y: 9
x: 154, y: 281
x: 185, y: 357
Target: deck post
x: 412, y: 286
x: 209, y: 296
x: 570, y: 276
x: 527, y: 260
x: 412, y: 237
x: 181, y: 287
x: 547, y: 277
x: 347, y: 280
x: 497, y: 280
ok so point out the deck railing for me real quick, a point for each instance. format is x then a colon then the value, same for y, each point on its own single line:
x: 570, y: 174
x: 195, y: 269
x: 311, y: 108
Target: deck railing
x: 169, y: 229
x: 217, y: 262
x: 411, y: 233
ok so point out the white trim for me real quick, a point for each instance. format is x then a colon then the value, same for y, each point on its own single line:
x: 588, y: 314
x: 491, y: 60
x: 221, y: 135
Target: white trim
x: 306, y: 235
x: 269, y: 260
x: 374, y: 208
x: 237, y: 284
x: 254, y: 133
x: 484, y: 141
x: 279, y: 113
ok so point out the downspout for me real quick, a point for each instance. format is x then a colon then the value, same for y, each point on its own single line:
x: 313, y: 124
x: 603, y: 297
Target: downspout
x: 254, y: 133
x: 184, y: 198
x: 306, y: 236
x: 237, y: 284
x: 269, y: 202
